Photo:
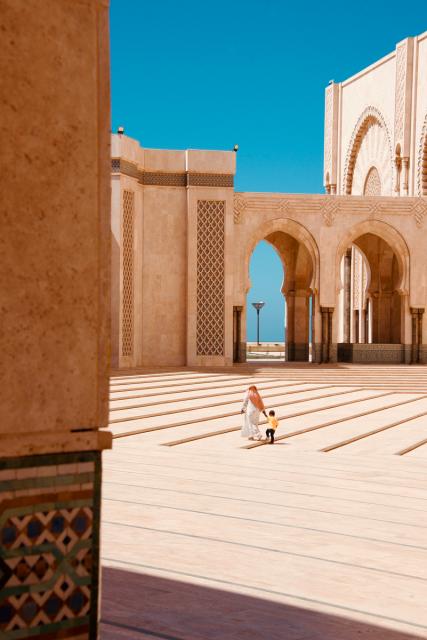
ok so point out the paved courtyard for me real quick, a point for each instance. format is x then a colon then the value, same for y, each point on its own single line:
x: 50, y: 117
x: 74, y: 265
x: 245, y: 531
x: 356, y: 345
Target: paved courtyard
x: 322, y: 536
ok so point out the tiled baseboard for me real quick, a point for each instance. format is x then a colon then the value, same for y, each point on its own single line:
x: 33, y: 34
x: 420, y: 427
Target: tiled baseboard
x: 49, y: 545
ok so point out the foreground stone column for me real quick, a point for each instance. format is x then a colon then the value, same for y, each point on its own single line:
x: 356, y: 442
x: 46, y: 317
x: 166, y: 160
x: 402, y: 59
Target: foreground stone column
x: 54, y: 292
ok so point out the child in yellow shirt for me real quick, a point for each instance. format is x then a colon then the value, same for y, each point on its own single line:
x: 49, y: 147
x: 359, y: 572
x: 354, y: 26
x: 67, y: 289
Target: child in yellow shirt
x: 273, y: 423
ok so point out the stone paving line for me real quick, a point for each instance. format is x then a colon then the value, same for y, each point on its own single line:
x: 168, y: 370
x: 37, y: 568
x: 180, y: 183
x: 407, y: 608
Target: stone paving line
x: 196, y: 428
x: 344, y: 409
x: 178, y: 401
x: 130, y: 414
x: 209, y: 541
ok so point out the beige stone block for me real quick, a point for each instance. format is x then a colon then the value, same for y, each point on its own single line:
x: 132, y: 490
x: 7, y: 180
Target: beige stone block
x: 54, y: 274
x: 220, y: 162
x: 164, y: 160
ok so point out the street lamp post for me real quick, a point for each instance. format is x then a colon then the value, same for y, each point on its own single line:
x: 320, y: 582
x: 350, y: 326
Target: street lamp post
x: 258, y: 306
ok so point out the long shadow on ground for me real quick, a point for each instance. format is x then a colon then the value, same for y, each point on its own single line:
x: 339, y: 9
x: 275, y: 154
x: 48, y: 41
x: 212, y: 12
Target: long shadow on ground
x: 137, y: 606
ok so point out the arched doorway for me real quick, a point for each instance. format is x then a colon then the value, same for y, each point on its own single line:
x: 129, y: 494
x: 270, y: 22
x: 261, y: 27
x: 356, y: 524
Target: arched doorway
x: 297, y: 289
x: 372, y: 298
x: 265, y: 304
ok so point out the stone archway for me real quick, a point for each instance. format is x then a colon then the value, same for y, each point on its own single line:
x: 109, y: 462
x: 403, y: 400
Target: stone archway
x: 369, y: 149
x: 386, y: 258
x: 300, y: 258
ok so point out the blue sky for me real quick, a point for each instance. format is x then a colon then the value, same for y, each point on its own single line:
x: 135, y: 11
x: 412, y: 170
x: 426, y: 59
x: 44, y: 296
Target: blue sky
x: 211, y: 74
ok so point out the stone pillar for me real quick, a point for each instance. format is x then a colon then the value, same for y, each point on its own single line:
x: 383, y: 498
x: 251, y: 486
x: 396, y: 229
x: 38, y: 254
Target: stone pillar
x: 298, y: 323
x: 290, y: 326
x: 356, y: 326
x: 364, y: 328
x: 210, y: 257
x: 405, y: 164
x: 417, y: 334
x: 239, y: 354
x: 381, y: 308
x: 347, y: 296
x: 326, y: 332
x: 397, y: 170
x: 316, y: 338
x: 55, y: 295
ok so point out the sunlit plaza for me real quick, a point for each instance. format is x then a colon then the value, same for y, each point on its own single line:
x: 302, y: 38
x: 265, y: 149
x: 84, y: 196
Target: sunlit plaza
x: 320, y: 536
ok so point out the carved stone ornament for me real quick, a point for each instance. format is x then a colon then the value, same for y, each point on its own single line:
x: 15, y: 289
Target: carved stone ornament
x: 419, y: 211
x: 239, y: 207
x: 329, y: 212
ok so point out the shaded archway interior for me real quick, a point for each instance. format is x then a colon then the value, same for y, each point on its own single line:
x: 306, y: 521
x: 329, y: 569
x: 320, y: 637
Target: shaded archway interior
x: 371, y: 299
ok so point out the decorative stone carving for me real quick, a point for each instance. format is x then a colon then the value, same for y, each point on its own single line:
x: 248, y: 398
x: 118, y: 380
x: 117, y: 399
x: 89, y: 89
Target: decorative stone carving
x: 375, y: 208
x: 285, y: 206
x: 127, y: 266
x: 399, y: 111
x: 328, y: 130
x: 419, y: 211
x: 422, y: 161
x: 330, y: 209
x: 377, y: 143
x: 372, y: 183
x: 239, y: 207
x: 210, y: 277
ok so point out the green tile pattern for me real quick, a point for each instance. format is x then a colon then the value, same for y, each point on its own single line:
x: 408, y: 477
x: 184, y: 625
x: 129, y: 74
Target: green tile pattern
x: 49, y: 545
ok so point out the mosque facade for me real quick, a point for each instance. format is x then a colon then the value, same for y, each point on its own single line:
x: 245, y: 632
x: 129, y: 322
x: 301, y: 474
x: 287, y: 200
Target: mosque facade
x: 354, y: 257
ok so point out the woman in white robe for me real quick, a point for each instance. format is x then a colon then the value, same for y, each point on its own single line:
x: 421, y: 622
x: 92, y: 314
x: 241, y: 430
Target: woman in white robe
x: 252, y: 407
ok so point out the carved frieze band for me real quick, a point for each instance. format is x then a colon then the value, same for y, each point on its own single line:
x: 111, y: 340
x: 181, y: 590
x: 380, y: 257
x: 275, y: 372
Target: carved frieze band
x: 328, y: 206
x: 177, y: 179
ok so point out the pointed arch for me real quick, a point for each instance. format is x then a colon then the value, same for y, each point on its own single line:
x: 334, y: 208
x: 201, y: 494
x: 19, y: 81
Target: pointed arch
x: 388, y: 233
x: 293, y: 229
x: 372, y: 186
x: 370, y: 126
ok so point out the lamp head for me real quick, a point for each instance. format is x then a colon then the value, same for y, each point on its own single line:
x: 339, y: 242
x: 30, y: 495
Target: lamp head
x: 120, y: 130
x: 236, y: 148
x: 258, y: 305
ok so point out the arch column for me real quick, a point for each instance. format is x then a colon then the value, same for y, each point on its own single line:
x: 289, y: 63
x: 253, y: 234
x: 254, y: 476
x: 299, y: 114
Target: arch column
x: 297, y: 325
x: 417, y: 334
x: 327, y: 330
x: 316, y: 325
x: 347, y: 296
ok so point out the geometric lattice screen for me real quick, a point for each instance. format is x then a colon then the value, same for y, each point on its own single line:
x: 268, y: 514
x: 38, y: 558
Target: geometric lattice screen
x: 127, y: 283
x: 210, y: 277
